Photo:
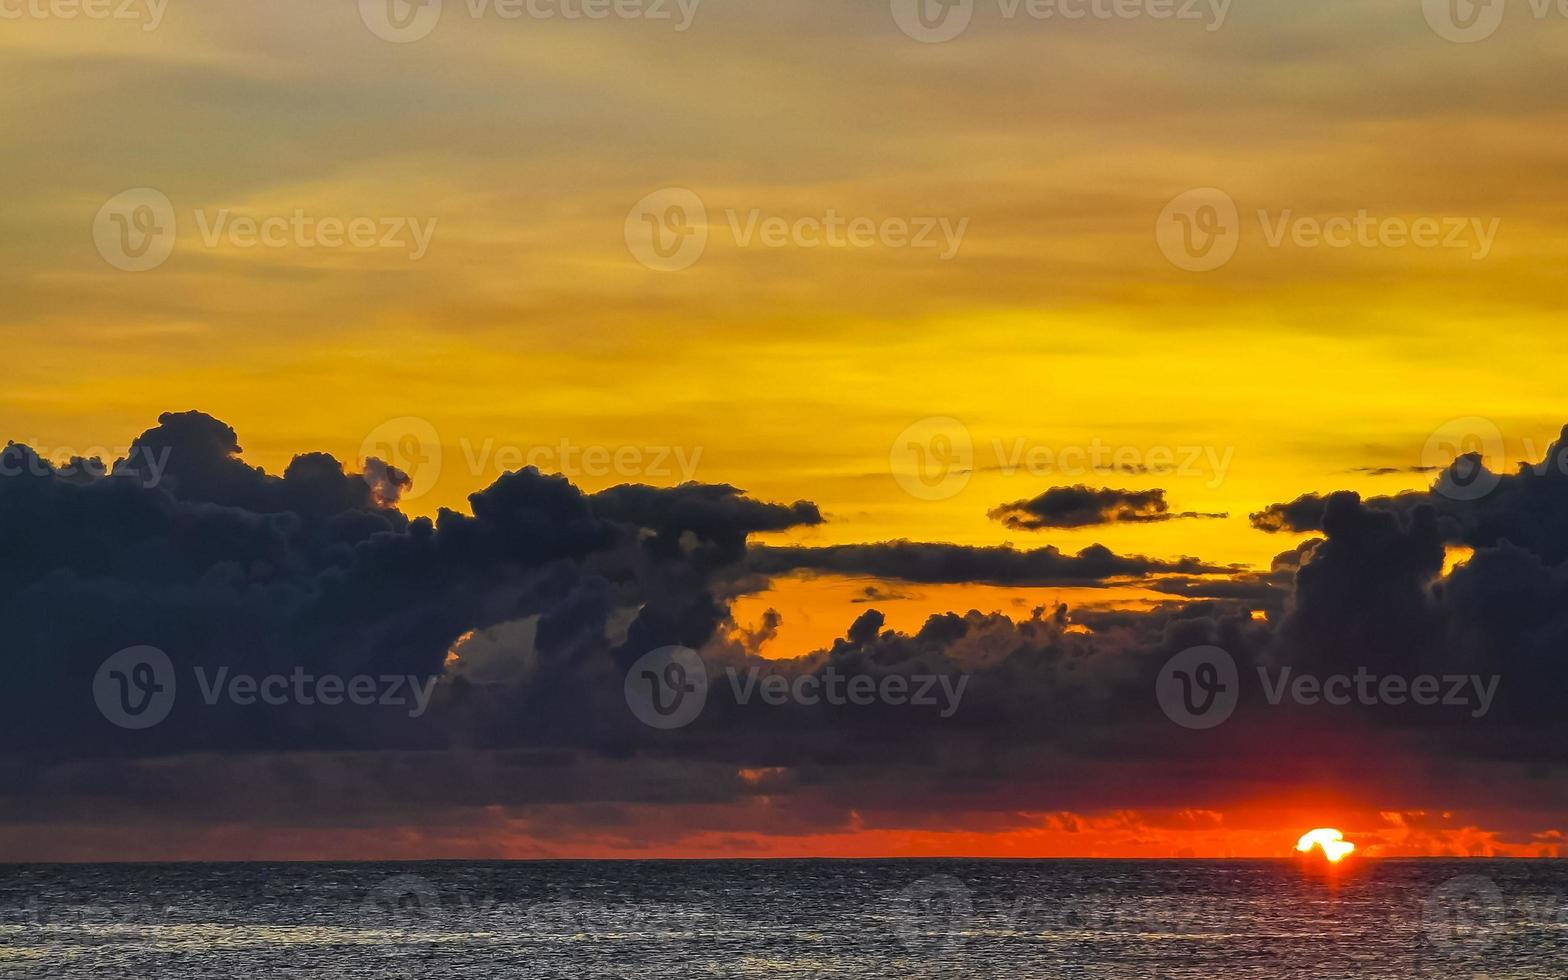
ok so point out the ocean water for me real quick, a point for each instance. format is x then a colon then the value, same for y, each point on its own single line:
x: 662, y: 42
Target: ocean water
x: 651, y: 920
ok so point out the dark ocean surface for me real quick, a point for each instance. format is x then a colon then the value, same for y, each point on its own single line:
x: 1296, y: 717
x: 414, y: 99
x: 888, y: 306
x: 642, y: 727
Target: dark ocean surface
x: 1012, y: 920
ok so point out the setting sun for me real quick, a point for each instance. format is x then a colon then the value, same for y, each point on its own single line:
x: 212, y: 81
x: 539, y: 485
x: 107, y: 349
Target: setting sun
x: 1328, y: 840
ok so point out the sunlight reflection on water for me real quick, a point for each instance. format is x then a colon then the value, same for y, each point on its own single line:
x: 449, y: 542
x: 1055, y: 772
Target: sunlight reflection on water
x: 1015, y: 920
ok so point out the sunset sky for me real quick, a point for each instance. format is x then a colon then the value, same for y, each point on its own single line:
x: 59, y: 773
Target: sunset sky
x: 1057, y: 328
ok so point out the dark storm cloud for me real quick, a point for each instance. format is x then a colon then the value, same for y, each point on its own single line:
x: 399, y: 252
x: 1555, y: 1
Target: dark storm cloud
x: 549, y: 594
x: 1475, y: 507
x: 1366, y: 592
x: 222, y: 565
x: 1372, y: 591
x: 875, y: 593
x: 1304, y: 515
x: 1082, y: 506
x: 716, y: 514
x: 933, y: 563
x: 1267, y: 591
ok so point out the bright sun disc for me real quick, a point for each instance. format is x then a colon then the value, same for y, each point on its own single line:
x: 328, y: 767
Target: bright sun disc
x: 1328, y: 840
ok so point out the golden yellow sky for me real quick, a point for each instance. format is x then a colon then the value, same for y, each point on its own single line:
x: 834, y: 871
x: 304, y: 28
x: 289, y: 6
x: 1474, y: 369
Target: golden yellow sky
x: 791, y: 371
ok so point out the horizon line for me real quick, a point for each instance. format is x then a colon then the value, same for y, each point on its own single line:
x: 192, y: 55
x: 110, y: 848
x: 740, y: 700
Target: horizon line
x: 770, y: 860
